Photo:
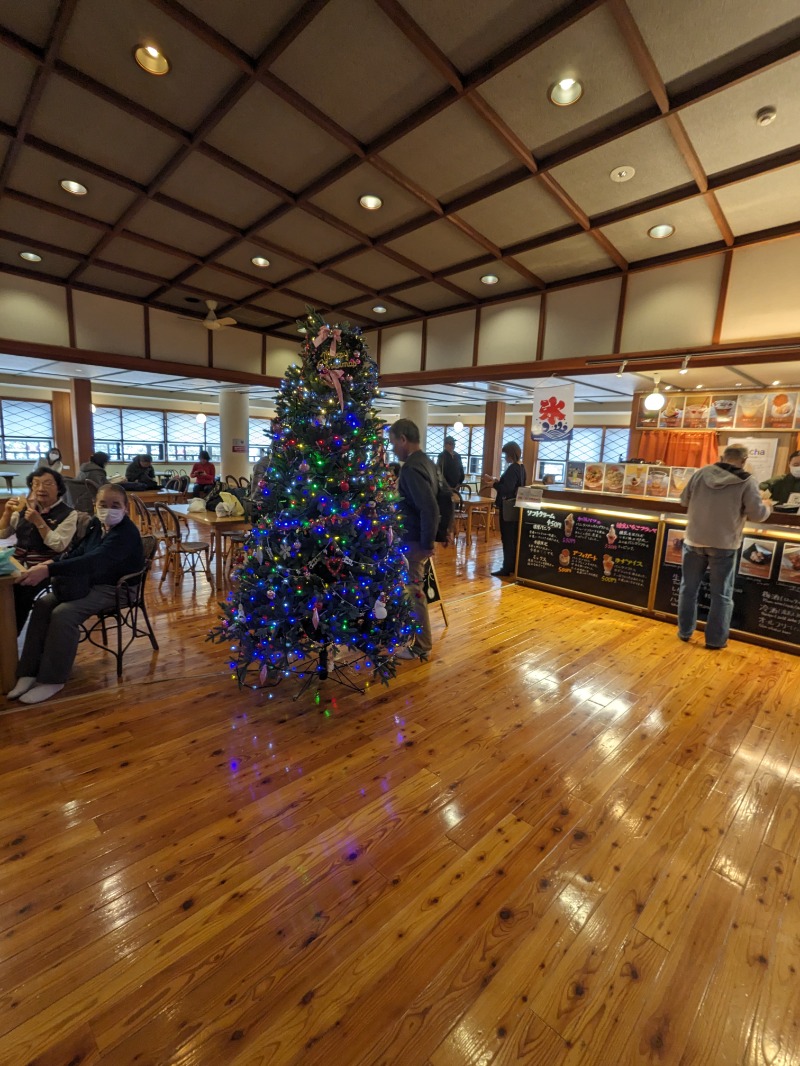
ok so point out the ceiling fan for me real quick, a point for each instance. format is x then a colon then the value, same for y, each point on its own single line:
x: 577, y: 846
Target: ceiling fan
x: 211, y: 321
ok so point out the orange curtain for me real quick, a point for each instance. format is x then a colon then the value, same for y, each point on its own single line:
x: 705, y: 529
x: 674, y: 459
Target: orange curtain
x: 677, y: 448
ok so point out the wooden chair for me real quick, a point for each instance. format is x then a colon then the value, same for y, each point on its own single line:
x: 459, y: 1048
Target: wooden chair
x: 178, y: 484
x: 244, y: 483
x: 232, y: 541
x: 81, y: 494
x: 144, y: 517
x: 182, y: 556
x: 130, y: 607
x: 232, y: 480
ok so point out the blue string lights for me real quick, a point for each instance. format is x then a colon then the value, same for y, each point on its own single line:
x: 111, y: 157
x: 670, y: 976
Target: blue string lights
x: 323, y: 572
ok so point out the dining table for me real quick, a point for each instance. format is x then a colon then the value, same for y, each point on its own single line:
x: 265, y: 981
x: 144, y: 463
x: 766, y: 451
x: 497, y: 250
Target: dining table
x: 8, y: 477
x: 215, y: 525
x: 472, y: 503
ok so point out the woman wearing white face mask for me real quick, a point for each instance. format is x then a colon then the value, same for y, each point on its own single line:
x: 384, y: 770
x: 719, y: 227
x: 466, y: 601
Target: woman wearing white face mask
x: 781, y: 488
x: 82, y: 583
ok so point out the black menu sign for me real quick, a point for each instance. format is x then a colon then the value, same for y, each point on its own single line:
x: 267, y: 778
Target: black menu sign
x: 766, y: 605
x: 597, y: 555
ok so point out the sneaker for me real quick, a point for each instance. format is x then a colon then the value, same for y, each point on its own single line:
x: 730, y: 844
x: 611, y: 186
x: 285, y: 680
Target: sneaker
x: 685, y: 639
x: 716, y: 647
x: 22, y: 686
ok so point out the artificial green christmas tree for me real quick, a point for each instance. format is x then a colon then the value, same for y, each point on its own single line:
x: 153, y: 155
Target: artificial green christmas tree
x: 321, y: 589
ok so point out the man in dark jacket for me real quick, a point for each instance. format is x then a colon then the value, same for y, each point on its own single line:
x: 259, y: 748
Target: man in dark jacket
x: 111, y: 549
x: 718, y: 498
x: 449, y: 462
x: 140, y: 474
x: 417, y: 487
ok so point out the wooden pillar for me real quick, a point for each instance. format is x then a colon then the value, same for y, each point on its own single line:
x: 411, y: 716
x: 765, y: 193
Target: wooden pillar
x: 529, y: 450
x: 494, y: 422
x: 62, y: 431
x: 80, y: 393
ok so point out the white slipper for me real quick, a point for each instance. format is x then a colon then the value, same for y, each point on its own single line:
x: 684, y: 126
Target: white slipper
x: 22, y: 685
x: 40, y: 693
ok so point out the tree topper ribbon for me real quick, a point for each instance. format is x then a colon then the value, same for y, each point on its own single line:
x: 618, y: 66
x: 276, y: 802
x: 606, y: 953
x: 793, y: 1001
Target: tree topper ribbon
x: 333, y: 377
x: 324, y: 333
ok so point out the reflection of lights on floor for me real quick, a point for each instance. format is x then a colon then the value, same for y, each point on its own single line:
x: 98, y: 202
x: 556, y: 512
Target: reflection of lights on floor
x: 452, y: 815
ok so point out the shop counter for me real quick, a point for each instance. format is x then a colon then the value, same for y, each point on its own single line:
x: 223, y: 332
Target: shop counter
x: 627, y: 554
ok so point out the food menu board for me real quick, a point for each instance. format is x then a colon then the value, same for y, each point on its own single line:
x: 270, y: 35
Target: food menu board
x: 597, y: 555
x: 766, y: 592
x: 773, y: 409
x: 628, y: 479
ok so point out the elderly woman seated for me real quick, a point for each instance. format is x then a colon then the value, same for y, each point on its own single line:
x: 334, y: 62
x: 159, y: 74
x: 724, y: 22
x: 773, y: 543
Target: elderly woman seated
x: 44, y: 526
x: 83, y: 583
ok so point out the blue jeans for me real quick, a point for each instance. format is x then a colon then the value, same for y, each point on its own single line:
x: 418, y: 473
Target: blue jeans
x: 720, y: 563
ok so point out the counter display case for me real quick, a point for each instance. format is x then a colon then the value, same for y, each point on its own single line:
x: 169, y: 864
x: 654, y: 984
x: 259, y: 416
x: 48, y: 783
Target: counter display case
x: 627, y: 555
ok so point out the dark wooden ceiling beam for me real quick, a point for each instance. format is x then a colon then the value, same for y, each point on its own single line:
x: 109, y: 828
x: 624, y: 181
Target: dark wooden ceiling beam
x: 58, y: 30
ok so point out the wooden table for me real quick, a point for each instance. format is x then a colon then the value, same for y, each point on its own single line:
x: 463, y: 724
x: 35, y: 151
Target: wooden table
x: 153, y: 496
x: 9, y: 479
x: 470, y: 503
x: 215, y: 525
x: 8, y: 634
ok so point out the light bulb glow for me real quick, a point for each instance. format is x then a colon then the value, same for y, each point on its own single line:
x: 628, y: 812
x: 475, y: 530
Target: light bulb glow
x: 490, y: 279
x: 658, y: 233
x: 30, y: 257
x: 370, y: 202
x: 458, y: 426
x: 201, y: 418
x: 566, y: 91
x: 259, y: 261
x: 73, y: 187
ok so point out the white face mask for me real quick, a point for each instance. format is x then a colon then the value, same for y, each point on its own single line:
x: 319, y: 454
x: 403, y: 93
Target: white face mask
x: 794, y: 470
x: 110, y: 516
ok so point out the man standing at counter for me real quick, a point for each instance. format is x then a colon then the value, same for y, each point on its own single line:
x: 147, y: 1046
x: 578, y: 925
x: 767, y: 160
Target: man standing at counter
x: 781, y: 488
x: 718, y: 498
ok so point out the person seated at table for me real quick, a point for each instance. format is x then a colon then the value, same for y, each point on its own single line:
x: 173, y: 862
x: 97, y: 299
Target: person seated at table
x: 51, y: 459
x: 781, y: 488
x: 111, y: 549
x: 204, y: 474
x: 140, y: 474
x: 94, y: 469
x: 44, y: 526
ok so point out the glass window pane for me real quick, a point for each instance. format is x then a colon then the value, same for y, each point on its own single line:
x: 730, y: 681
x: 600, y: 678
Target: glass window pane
x: 554, y: 450
x: 26, y: 430
x: 586, y: 444
x: 462, y: 439
x: 515, y: 434
x: 142, y: 431
x: 107, y: 424
x: 615, y: 446
x: 260, y: 437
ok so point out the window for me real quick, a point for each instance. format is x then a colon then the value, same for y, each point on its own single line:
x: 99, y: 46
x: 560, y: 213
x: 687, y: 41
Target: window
x: 26, y: 430
x: 260, y: 437
x: 615, y: 445
x: 434, y: 442
x: 586, y: 445
x: 474, y: 460
x: 515, y: 434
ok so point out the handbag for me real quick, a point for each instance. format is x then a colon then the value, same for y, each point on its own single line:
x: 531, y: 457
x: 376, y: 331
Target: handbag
x: 509, y: 512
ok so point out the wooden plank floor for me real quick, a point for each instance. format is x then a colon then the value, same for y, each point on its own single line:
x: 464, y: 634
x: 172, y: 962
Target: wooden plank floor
x: 568, y: 839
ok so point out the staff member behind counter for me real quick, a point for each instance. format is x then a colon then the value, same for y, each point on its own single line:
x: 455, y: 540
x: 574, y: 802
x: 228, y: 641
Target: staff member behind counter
x: 781, y: 488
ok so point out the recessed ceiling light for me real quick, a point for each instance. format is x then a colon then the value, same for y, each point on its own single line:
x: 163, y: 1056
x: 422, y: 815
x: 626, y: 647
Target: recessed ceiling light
x: 667, y: 388
x: 379, y: 309
x: 565, y: 92
x: 738, y: 384
x: 259, y: 261
x: 150, y: 59
x: 698, y: 386
x: 766, y: 116
x: 192, y: 299
x: 490, y: 279
x: 370, y: 202
x: 776, y: 382
x: 73, y: 187
x: 658, y: 233
x: 30, y: 257
x: 620, y: 174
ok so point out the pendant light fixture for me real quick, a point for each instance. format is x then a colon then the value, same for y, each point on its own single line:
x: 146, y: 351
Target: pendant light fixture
x: 654, y: 400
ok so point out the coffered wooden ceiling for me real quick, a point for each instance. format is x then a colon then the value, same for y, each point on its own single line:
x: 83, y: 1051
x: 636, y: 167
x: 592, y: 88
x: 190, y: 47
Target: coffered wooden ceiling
x: 277, y: 116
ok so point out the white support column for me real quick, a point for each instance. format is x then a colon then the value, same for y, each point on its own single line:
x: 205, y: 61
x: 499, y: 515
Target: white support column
x: 417, y: 411
x: 234, y: 417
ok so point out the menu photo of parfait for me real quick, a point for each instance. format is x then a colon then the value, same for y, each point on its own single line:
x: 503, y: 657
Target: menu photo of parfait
x: 750, y: 408
x: 635, y: 480
x: 672, y: 413
x: 696, y: 412
x: 722, y: 410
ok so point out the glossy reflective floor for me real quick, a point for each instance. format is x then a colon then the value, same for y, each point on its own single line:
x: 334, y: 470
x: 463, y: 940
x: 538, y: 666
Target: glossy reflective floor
x: 568, y: 839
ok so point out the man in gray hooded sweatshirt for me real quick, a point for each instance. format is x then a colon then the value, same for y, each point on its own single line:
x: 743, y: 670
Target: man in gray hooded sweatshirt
x: 719, y: 498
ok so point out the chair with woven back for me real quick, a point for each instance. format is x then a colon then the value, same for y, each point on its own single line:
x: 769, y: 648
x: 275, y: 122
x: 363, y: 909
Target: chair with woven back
x: 180, y: 484
x: 144, y: 517
x: 130, y: 608
x: 182, y: 556
x: 232, y: 481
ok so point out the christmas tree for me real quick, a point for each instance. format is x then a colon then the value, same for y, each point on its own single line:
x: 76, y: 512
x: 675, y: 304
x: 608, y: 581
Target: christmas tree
x: 321, y: 589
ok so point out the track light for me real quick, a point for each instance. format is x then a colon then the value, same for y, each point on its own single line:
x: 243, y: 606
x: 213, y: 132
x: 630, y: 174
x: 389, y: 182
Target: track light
x: 621, y: 370
x: 654, y: 400
x: 685, y: 365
